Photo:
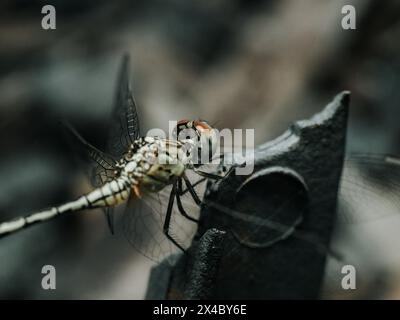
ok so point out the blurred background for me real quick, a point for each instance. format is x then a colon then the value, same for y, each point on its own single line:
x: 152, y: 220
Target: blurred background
x: 243, y: 64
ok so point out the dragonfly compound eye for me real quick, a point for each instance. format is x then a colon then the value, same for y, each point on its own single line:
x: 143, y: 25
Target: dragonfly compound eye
x: 203, y: 135
x: 208, y: 137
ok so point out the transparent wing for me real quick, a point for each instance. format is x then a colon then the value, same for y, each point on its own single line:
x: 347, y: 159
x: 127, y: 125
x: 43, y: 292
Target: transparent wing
x: 99, y: 166
x: 124, y: 127
x: 369, y: 188
x: 143, y: 220
x: 370, y: 191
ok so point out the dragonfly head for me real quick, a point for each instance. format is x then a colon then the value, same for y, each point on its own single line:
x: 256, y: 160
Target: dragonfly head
x: 202, y: 134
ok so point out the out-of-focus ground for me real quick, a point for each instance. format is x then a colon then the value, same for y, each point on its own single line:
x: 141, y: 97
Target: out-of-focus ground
x: 245, y: 64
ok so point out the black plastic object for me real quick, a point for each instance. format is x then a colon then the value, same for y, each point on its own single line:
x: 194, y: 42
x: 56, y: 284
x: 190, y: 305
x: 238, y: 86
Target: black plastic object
x: 266, y: 235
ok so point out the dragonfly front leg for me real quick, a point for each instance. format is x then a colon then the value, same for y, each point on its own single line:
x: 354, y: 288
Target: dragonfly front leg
x: 183, y: 192
x: 207, y: 175
x: 191, y: 190
x: 167, y: 220
x: 179, y: 202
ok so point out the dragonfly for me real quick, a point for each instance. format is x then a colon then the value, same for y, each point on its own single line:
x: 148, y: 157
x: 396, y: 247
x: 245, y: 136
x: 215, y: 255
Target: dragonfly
x: 133, y: 166
x: 130, y: 172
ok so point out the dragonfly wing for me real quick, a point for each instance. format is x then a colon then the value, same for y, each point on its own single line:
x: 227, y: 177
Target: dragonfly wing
x: 369, y: 189
x: 124, y: 128
x: 143, y: 221
x: 369, y: 192
x: 99, y: 167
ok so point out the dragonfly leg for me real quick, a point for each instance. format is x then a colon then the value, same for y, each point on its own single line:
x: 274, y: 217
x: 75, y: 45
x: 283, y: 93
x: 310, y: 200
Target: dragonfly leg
x: 193, y: 185
x: 191, y: 190
x: 232, y: 168
x: 207, y: 174
x: 167, y: 220
x: 180, y: 206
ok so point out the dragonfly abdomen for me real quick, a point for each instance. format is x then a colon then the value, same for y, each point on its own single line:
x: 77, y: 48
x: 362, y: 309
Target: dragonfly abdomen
x: 110, y: 194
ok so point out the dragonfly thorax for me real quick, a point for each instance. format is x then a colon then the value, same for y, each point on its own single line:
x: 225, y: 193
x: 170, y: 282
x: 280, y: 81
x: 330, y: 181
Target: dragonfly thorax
x: 153, y: 163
